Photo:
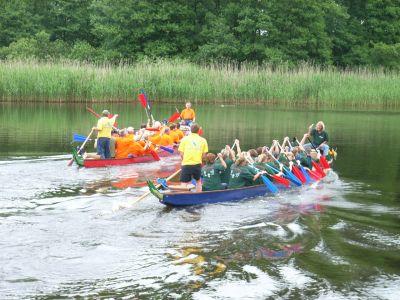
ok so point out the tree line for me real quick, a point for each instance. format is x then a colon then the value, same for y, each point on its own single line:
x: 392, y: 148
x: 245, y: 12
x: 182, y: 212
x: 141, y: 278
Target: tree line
x: 342, y: 33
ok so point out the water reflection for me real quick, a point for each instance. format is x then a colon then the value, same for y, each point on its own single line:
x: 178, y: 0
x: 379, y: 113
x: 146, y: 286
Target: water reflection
x: 61, y: 238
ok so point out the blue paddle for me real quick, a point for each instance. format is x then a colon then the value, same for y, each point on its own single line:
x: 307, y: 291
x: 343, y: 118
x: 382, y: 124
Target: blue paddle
x: 78, y: 138
x: 288, y: 174
x: 268, y: 183
x: 167, y: 149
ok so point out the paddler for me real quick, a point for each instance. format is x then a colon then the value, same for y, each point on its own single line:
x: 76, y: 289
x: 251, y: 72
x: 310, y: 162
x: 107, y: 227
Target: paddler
x: 188, y: 114
x: 103, y: 128
x: 192, y: 149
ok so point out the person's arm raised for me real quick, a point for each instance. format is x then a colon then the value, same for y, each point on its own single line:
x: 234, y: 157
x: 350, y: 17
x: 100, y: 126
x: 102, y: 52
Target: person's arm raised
x: 221, y: 158
x: 239, y: 151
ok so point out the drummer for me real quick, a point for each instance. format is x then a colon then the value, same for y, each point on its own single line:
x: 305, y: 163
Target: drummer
x: 188, y: 115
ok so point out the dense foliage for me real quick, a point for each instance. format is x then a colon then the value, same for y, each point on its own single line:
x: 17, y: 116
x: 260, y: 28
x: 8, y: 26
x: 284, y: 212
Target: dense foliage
x: 325, y: 32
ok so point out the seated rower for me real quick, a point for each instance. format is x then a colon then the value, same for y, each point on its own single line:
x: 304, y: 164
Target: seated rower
x: 166, y: 139
x: 242, y: 174
x: 211, y: 172
x: 228, y: 156
x: 179, y: 131
x: 173, y: 134
x: 252, y: 153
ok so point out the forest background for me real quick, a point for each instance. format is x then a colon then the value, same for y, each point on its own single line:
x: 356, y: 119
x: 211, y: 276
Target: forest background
x: 340, y: 35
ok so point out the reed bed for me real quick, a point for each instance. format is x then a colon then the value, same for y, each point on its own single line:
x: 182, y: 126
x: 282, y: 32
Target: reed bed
x: 179, y: 81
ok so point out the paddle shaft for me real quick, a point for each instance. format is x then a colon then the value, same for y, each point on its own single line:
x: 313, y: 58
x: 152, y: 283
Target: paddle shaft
x: 81, y: 147
x: 157, y: 186
x: 267, y: 182
x: 97, y: 115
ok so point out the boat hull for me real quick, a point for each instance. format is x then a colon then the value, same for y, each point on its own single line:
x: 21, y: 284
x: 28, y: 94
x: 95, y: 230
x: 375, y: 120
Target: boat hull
x: 190, y: 198
x: 101, y: 163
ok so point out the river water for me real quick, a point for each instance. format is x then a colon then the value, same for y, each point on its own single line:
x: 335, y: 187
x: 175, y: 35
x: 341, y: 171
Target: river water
x: 62, y: 235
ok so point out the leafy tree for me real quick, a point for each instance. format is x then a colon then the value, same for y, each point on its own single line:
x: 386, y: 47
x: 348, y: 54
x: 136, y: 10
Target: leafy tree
x: 16, y: 21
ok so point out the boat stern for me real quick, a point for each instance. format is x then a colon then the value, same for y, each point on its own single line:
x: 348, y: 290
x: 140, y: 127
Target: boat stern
x: 153, y: 189
x: 77, y: 157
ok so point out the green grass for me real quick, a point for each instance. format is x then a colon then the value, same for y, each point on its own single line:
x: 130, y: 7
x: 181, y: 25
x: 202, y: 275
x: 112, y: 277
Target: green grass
x: 179, y: 81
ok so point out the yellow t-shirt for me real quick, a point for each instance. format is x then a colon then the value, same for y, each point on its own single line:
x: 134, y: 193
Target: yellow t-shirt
x: 105, y: 126
x: 188, y: 114
x: 193, y: 147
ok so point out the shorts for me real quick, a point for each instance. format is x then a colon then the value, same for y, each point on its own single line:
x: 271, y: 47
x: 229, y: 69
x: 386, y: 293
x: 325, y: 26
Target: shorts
x: 190, y: 171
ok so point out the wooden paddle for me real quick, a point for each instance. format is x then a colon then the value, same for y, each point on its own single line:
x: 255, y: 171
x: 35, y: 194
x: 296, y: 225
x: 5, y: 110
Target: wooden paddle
x: 98, y: 116
x: 80, y: 148
x: 129, y: 204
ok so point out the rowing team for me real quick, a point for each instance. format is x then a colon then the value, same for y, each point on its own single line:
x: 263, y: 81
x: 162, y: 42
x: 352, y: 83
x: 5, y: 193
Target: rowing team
x: 124, y: 143
x: 233, y: 170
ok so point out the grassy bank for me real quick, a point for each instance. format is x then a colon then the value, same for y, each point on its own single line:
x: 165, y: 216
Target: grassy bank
x: 180, y: 81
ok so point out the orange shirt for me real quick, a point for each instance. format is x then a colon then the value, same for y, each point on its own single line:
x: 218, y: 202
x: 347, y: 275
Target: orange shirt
x: 180, y: 133
x: 135, y: 148
x: 166, y: 140
x: 126, y: 145
x: 174, y: 136
x: 121, y: 147
x: 188, y: 114
x: 155, y: 138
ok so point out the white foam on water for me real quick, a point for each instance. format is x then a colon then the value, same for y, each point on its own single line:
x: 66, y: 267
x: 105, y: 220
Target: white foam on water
x: 295, y: 228
x: 259, y: 288
x: 385, y: 287
x: 331, y: 295
x: 262, y: 224
x: 294, y: 277
x: 339, y: 226
x: 384, y: 239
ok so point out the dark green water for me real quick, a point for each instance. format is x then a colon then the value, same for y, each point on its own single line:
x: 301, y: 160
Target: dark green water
x: 61, y: 237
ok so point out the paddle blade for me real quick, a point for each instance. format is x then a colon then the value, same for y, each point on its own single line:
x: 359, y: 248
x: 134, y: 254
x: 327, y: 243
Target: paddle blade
x: 305, y: 174
x: 167, y: 149
x: 174, y: 117
x: 298, y: 174
x: 142, y: 100
x: 154, y: 154
x: 269, y: 184
x: 78, y: 138
x: 318, y: 169
x: 289, y: 175
x: 281, y: 180
x: 324, y: 163
x: 314, y: 175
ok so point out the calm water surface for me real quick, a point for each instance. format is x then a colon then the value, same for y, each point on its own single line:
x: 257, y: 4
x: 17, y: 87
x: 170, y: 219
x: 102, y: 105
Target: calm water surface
x: 61, y: 235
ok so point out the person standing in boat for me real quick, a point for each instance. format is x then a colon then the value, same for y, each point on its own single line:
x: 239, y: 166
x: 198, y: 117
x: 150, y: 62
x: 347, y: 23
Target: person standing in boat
x: 192, y: 149
x: 104, y: 128
x: 319, y: 138
x: 188, y: 115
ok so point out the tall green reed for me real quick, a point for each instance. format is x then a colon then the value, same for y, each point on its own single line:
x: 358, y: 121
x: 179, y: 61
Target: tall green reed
x: 179, y: 81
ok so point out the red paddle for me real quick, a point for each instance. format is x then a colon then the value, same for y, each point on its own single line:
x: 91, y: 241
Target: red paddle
x: 299, y: 174
x: 281, y: 180
x: 318, y: 169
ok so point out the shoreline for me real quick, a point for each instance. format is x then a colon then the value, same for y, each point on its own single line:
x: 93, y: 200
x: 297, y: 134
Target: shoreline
x: 180, y: 81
